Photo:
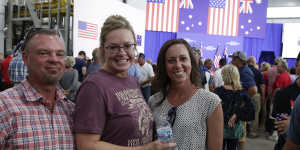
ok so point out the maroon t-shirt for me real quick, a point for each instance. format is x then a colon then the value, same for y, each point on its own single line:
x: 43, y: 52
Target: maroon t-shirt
x: 113, y: 107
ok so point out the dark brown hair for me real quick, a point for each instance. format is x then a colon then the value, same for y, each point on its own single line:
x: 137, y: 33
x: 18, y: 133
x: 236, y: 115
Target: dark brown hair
x: 162, y: 76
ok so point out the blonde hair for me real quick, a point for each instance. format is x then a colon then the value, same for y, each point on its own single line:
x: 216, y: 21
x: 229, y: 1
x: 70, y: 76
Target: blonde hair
x: 231, y: 76
x: 251, y: 60
x: 112, y: 23
x: 70, y: 61
x: 282, y: 62
x: 265, y: 65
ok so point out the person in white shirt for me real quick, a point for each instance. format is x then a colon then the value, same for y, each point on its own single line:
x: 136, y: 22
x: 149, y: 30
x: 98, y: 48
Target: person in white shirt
x: 218, y: 81
x: 146, y: 76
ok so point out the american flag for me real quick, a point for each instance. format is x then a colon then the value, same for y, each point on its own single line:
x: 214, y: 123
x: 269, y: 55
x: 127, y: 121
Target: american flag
x: 162, y: 15
x: 87, y: 30
x: 217, y: 58
x: 223, y: 17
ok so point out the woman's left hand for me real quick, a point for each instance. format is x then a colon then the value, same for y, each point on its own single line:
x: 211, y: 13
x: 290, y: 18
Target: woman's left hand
x: 232, y: 120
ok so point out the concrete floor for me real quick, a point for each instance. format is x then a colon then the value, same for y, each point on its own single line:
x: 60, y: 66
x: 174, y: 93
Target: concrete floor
x: 259, y: 143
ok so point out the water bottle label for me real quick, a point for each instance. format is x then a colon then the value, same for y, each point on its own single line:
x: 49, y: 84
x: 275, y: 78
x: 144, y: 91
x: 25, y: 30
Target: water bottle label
x: 164, y: 133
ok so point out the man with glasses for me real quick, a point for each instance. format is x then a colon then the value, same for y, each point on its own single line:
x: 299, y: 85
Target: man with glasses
x: 36, y: 114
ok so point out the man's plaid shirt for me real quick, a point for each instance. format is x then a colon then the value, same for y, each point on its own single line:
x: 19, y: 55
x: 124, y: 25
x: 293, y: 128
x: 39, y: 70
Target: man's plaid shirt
x: 26, y: 122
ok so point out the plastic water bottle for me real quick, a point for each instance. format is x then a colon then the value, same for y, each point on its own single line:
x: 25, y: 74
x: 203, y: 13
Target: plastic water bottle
x: 164, y: 131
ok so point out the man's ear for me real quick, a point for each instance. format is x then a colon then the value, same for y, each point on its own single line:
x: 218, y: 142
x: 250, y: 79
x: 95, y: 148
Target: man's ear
x: 25, y: 56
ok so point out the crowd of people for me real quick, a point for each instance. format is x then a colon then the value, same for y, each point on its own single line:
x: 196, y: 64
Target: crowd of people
x: 116, y: 101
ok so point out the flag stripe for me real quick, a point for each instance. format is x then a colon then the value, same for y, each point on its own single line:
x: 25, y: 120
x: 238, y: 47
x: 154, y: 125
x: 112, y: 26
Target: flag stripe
x: 168, y: 9
x: 237, y: 17
x: 162, y: 17
x: 152, y: 16
x: 228, y: 11
x: 223, y: 22
x: 209, y: 20
x: 147, y: 15
x: 233, y: 19
x: 177, y: 15
x: 157, y: 16
x: 165, y: 18
x: 172, y: 17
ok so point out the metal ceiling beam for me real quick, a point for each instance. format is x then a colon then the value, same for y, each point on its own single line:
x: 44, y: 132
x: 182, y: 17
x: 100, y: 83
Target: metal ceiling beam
x: 33, y: 14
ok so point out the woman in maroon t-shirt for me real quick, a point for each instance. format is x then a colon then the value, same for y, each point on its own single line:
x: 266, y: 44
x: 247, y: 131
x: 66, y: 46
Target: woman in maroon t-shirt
x: 111, y: 112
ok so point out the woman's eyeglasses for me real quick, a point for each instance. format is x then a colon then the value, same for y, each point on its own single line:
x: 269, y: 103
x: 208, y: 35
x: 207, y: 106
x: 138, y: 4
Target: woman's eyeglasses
x: 116, y: 48
x: 172, y: 115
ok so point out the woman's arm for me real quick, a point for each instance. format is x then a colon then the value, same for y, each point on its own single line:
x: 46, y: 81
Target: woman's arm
x: 289, y: 145
x: 215, y: 126
x: 92, y: 142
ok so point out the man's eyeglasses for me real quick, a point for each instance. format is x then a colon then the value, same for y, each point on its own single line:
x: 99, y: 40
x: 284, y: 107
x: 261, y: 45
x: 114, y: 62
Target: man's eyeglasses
x: 116, y: 48
x: 172, y: 115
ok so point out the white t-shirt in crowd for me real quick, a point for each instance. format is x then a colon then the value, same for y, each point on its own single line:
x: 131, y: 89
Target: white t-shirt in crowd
x: 218, y: 80
x: 207, y: 76
x: 146, y: 72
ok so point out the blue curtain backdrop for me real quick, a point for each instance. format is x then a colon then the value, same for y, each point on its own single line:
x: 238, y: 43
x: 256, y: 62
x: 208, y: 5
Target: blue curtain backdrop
x: 153, y: 42
x: 252, y: 46
x: 272, y: 42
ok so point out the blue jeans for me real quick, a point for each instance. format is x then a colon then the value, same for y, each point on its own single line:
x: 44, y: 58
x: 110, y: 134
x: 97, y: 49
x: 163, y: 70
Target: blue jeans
x: 146, y: 91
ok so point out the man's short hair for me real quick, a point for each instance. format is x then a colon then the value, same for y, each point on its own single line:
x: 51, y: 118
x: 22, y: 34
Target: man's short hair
x: 141, y: 55
x: 223, y: 62
x: 207, y: 61
x: 34, y: 31
x: 82, y: 53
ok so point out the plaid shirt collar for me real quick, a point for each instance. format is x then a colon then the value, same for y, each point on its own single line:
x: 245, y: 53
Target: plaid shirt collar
x: 32, y: 95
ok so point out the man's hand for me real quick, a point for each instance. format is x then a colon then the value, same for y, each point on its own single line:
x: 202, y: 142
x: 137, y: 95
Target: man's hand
x: 283, y: 124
